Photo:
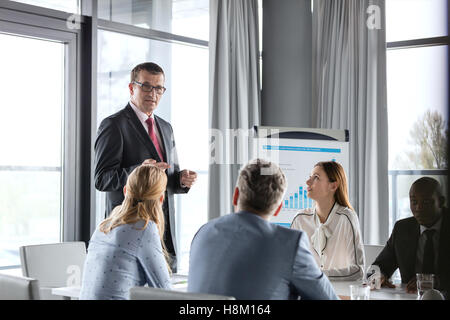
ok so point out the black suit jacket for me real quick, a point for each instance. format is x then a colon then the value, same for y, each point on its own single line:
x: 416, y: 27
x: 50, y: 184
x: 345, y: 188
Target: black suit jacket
x: 401, y: 250
x: 122, y: 144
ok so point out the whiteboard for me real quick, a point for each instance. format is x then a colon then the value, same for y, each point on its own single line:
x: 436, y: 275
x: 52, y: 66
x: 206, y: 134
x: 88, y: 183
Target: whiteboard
x: 297, y: 157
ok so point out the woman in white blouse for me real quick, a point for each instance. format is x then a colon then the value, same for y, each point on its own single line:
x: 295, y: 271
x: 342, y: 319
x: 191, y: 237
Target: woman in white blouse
x: 332, y: 225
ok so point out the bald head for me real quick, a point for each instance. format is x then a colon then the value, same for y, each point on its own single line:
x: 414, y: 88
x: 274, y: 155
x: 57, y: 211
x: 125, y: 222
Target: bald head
x: 426, y: 201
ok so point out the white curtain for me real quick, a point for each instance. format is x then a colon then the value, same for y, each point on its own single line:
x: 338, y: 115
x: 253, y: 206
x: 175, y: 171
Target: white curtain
x: 349, y: 92
x: 234, y: 99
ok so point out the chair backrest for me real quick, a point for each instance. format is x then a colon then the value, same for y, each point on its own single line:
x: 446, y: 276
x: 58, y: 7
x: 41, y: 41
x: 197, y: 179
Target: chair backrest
x: 18, y: 288
x: 371, y: 252
x: 148, y: 293
x: 432, y: 294
x: 54, y: 265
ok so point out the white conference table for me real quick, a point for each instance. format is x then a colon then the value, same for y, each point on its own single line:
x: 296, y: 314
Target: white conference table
x: 342, y: 288
x: 179, y: 283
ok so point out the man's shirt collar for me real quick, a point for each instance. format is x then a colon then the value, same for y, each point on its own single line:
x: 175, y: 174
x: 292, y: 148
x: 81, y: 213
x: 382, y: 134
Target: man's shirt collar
x: 141, y: 115
x: 436, y: 226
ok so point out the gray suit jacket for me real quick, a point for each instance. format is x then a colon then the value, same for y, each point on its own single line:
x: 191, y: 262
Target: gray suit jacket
x: 247, y: 257
x: 122, y: 144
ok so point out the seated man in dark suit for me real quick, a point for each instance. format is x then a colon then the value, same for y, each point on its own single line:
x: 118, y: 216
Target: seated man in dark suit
x: 420, y: 244
x: 245, y: 256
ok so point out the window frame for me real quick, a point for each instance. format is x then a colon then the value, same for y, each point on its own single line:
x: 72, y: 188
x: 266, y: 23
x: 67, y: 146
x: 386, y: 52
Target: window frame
x: 149, y: 34
x: 29, y: 21
x: 80, y: 111
x: 411, y: 44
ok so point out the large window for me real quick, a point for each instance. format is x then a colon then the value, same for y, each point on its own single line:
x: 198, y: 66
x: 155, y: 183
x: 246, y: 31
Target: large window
x: 415, y: 19
x: 417, y: 83
x: 72, y: 6
x: 31, y: 130
x: 50, y: 108
x: 189, y: 18
x: 184, y: 105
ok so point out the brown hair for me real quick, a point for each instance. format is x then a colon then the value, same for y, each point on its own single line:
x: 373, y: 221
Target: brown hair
x: 335, y: 173
x: 261, y: 186
x: 150, y: 67
x: 145, y: 186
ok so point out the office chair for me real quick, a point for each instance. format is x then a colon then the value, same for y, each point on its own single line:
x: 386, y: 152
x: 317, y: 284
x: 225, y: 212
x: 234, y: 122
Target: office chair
x: 54, y: 265
x: 371, y: 252
x: 18, y: 288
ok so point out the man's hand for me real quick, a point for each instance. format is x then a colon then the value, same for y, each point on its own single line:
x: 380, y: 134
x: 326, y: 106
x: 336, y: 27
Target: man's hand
x: 411, y: 286
x: 188, y: 178
x: 386, y: 283
x: 160, y: 165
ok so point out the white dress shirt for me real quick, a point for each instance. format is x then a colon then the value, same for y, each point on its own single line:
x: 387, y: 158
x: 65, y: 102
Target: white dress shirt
x: 336, y: 244
x: 142, y: 116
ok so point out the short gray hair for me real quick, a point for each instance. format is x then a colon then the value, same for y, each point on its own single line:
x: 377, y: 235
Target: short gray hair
x: 261, y: 192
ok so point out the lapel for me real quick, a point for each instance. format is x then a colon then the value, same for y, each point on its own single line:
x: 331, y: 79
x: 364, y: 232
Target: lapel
x: 410, y: 244
x: 140, y: 132
x: 164, y: 132
x: 444, y: 242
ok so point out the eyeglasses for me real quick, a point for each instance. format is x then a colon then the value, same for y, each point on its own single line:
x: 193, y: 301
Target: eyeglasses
x: 149, y: 88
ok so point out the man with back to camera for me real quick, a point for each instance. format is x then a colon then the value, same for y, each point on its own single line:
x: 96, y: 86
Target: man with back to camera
x: 420, y: 244
x: 135, y: 136
x: 245, y: 256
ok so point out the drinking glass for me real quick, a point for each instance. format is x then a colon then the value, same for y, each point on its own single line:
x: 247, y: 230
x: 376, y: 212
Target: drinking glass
x: 424, y: 282
x: 359, y: 292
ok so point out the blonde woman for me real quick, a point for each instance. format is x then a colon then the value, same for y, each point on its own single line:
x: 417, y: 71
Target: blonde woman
x: 127, y: 249
x: 332, y: 225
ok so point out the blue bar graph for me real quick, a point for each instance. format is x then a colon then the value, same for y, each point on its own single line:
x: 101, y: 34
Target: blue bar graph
x: 298, y: 200
x: 305, y: 201
x: 300, y: 193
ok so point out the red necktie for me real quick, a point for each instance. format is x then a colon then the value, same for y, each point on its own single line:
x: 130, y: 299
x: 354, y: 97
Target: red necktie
x: 152, y: 134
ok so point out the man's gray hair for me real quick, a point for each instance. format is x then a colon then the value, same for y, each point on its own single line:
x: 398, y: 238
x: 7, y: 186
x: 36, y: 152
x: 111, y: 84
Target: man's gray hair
x: 259, y: 192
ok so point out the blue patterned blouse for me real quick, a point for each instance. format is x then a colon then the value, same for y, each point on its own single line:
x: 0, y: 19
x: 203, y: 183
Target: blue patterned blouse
x: 126, y: 257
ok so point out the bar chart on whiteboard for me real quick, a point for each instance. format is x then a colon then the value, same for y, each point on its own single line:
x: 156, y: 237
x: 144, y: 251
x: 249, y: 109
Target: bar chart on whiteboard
x: 297, y: 157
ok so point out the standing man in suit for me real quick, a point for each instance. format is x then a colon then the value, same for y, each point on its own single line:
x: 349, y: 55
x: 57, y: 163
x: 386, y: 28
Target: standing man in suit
x: 245, y: 256
x: 135, y: 136
x: 420, y: 244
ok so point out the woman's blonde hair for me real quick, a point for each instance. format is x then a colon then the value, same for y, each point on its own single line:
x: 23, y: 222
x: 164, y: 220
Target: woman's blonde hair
x: 145, y: 186
x: 335, y: 173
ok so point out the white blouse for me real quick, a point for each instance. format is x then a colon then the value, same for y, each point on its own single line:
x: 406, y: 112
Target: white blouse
x: 336, y: 244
